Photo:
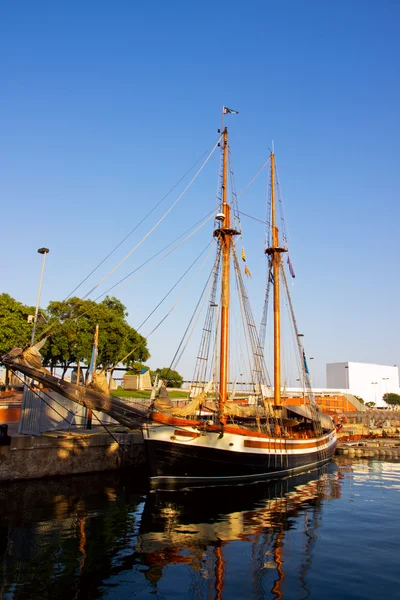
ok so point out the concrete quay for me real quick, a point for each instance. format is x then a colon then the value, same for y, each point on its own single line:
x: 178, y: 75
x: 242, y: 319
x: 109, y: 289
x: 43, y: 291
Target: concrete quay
x: 70, y: 452
x: 371, y: 448
x: 363, y: 441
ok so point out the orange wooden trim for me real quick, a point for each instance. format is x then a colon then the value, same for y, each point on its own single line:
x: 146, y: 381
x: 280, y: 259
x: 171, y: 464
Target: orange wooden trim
x: 258, y: 434
x: 286, y: 445
x: 178, y: 422
x: 184, y: 433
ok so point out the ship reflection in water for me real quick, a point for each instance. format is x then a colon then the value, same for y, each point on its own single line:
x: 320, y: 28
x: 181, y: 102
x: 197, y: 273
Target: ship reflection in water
x: 208, y: 529
x: 92, y: 537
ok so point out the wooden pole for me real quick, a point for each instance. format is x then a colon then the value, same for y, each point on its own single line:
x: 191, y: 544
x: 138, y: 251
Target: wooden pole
x: 276, y: 260
x: 225, y: 237
x: 95, y: 345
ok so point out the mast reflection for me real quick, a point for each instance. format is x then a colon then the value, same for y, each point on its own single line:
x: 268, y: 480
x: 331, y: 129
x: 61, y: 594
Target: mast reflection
x: 199, y: 527
x: 85, y: 537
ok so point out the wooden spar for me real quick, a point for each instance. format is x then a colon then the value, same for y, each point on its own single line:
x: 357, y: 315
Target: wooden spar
x: 275, y: 253
x: 95, y: 346
x: 276, y: 257
x: 225, y: 233
x: 226, y: 238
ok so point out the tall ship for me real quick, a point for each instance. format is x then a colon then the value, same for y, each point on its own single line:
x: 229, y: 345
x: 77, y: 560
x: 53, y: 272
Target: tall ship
x: 221, y: 440
x: 222, y: 432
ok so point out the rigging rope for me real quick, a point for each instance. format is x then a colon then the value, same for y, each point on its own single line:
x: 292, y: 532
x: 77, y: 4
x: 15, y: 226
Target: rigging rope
x: 250, y: 217
x: 173, y: 307
x: 157, y: 224
x: 200, y: 369
x: 258, y: 355
x: 246, y: 340
x: 254, y: 178
x: 285, y: 232
x: 175, y: 360
x: 70, y: 412
x: 30, y: 387
x: 162, y: 258
x: 138, y: 225
x: 89, y: 310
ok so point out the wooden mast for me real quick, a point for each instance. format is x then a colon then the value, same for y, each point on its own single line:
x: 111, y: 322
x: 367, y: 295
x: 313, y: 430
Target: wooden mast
x: 226, y: 240
x: 275, y: 252
x: 277, y: 308
x: 224, y: 232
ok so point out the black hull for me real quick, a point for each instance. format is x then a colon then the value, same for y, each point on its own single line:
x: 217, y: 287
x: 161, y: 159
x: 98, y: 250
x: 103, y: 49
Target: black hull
x: 199, y: 464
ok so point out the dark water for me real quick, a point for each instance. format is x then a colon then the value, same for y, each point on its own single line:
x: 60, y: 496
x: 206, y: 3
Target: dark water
x: 329, y: 534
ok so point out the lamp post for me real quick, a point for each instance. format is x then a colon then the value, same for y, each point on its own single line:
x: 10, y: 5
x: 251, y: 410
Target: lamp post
x: 309, y: 368
x: 43, y: 251
x: 374, y: 383
x: 347, y: 376
x: 385, y: 379
x: 347, y: 386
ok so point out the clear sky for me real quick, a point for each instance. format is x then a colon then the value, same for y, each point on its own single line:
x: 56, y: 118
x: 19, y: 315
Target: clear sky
x: 104, y: 106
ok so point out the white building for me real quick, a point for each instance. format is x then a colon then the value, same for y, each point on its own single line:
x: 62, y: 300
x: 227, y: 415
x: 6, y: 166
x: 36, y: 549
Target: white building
x: 370, y: 382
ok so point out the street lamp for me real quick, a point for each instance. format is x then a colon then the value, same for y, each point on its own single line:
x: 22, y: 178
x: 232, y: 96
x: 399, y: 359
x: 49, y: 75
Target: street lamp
x: 347, y: 376
x: 374, y: 383
x: 311, y: 358
x: 385, y: 379
x: 347, y: 386
x: 43, y: 251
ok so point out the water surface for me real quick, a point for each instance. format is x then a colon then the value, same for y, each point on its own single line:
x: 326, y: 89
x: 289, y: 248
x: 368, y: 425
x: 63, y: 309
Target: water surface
x: 328, y: 534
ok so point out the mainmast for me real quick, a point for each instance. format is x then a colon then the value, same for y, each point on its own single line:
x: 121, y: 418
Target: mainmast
x: 274, y: 251
x: 225, y: 234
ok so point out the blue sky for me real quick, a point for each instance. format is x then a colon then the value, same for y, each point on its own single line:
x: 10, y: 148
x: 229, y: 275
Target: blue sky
x: 104, y: 106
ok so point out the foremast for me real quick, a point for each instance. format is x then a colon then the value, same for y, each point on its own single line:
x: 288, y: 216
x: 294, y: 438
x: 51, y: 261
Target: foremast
x: 274, y: 252
x: 225, y: 234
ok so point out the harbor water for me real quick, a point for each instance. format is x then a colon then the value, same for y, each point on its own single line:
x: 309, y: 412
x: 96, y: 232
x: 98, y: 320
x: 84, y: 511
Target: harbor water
x: 331, y: 533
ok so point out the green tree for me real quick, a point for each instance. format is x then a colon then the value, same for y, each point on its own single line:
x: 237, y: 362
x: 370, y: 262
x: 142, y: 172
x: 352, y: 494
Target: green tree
x: 14, y: 327
x: 115, y: 305
x: 170, y: 377
x: 370, y: 404
x: 391, y: 399
x: 136, y: 368
x: 73, y: 323
x: 359, y: 399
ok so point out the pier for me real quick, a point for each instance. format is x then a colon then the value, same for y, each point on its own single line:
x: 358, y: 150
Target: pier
x: 69, y: 452
x: 379, y: 449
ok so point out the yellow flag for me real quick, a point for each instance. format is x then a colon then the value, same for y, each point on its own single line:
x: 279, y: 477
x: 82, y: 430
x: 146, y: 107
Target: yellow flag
x: 243, y: 254
x: 247, y: 271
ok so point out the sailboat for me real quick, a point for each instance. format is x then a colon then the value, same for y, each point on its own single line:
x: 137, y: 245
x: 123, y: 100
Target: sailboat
x: 224, y: 439
x: 228, y: 442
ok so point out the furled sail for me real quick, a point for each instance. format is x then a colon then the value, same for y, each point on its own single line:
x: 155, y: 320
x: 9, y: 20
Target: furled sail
x: 29, y: 362
x: 164, y: 404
